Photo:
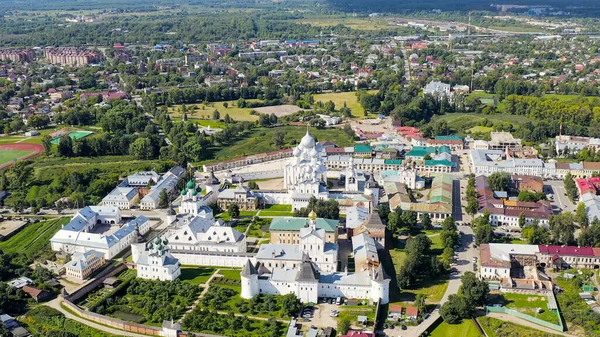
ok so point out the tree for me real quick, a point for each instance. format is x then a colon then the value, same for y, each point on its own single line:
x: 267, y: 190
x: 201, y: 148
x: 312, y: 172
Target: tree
x: 343, y: 325
x: 408, y: 220
x: 570, y: 186
x: 499, y: 181
x: 472, y: 206
x: 65, y: 146
x: 419, y: 244
x: 141, y: 148
x: 447, y: 256
x: 420, y: 300
x: 475, y: 291
x: 426, y: 221
x: 233, y: 210
x: 483, y: 229
x: 348, y: 130
x: 535, y: 234
x: 225, y: 105
x: 290, y: 304
x: 216, y: 115
x: 393, y: 222
x: 521, y: 219
x: 455, y: 309
x: 384, y: 212
x: 253, y: 185
x: 163, y: 199
x: 582, y: 215
x: 47, y: 143
x: 562, y: 228
x: 279, y: 139
x: 449, y: 224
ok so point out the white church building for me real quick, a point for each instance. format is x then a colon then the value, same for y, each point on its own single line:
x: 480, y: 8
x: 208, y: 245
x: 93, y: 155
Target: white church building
x: 154, y: 261
x: 309, y: 270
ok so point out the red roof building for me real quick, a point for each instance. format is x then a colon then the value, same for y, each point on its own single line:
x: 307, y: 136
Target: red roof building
x: 355, y: 333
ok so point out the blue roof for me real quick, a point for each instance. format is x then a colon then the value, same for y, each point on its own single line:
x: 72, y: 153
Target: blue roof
x: 451, y: 137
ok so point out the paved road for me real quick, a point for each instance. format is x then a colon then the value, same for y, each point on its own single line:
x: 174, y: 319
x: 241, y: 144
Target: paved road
x: 406, y: 67
x: 560, y: 199
x: 56, y: 305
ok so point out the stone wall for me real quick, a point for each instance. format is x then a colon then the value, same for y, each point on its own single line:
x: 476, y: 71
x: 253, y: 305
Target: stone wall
x: 110, y: 271
x: 220, y: 259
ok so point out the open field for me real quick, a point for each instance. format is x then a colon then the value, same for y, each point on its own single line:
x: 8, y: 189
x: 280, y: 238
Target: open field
x: 353, y: 23
x: 34, y: 237
x: 465, y: 329
x: 238, y: 114
x: 496, y: 328
x: 279, y: 110
x: 528, y: 304
x: 10, y: 153
x: 351, y: 100
x: 262, y: 140
x: 195, y: 274
x: 464, y: 121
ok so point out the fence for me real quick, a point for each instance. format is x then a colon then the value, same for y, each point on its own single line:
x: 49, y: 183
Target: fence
x: 557, y: 327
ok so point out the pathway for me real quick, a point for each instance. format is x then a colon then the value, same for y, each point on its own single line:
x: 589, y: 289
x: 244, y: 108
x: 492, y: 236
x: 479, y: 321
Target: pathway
x: 56, y: 305
x: 22, y: 140
x: 520, y: 321
x: 205, y: 286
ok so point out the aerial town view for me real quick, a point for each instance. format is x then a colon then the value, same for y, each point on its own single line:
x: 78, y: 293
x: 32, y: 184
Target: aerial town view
x: 315, y: 168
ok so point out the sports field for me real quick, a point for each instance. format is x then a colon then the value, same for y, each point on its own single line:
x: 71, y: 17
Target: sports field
x: 10, y: 153
x: 74, y: 135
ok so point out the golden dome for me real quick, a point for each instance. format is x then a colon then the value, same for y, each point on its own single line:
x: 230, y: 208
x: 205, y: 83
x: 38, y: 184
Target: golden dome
x: 312, y: 215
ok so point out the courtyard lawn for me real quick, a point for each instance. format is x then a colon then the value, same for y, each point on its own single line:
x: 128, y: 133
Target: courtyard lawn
x: 231, y: 274
x: 465, y: 329
x: 351, y: 100
x: 434, y: 289
x: 7, y: 155
x: 496, y: 328
x: 398, y: 257
x: 528, y: 304
x: 279, y: 208
x: 459, y: 122
x: 248, y: 213
x: 196, y: 275
x: 269, y: 213
x: 352, y: 313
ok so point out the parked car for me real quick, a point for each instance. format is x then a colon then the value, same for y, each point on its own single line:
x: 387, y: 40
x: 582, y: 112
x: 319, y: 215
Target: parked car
x: 333, y: 313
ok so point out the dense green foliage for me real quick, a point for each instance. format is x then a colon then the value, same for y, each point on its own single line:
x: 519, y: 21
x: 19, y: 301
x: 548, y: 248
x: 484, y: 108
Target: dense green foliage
x: 154, y: 300
x: 48, y: 322
x: 574, y: 308
x: 420, y: 265
x: 327, y: 209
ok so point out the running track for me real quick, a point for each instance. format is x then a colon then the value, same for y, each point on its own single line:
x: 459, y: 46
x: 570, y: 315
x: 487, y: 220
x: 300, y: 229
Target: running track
x: 35, y: 148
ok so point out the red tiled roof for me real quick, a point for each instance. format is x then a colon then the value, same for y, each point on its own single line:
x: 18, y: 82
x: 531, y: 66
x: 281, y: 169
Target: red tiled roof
x: 355, y: 333
x: 567, y: 250
x: 412, y: 311
x: 395, y: 308
x: 31, y: 291
x: 486, y: 259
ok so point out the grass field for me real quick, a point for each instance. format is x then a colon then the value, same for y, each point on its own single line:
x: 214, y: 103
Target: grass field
x: 465, y: 121
x: 238, y: 114
x: 34, y: 237
x: 353, y: 23
x: 464, y: 329
x: 279, y: 208
x: 528, y: 305
x: 7, y: 156
x: 496, y: 328
x: 351, y: 100
x: 232, y: 274
x: 196, y: 275
x: 261, y: 140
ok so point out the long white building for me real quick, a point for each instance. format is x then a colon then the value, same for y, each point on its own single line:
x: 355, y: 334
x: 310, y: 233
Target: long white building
x: 99, y: 228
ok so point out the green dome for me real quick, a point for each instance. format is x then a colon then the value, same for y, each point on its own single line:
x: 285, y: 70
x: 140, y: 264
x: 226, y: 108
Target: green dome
x: 194, y: 192
x: 184, y: 191
x: 191, y: 184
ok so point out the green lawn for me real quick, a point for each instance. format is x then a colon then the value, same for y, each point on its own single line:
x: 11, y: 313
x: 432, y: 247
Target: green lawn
x: 34, y: 237
x: 434, y: 289
x: 261, y: 140
x: 352, y: 313
x: 269, y: 213
x: 351, y: 100
x: 496, y: 328
x: 279, y: 208
x: 248, y: 213
x: 465, y: 121
x: 238, y: 114
x: 480, y: 129
x: 7, y: 155
x: 232, y: 274
x: 196, y: 275
x: 528, y: 305
x: 353, y: 23
x: 465, y: 329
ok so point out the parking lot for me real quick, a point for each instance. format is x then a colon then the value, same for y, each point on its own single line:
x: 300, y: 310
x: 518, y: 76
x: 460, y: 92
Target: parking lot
x: 321, y: 318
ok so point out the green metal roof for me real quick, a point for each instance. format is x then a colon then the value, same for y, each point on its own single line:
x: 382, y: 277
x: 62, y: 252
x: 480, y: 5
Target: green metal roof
x: 295, y: 224
x: 444, y: 148
x: 421, y: 151
x: 440, y: 162
x: 450, y: 137
x: 362, y: 148
x: 392, y: 161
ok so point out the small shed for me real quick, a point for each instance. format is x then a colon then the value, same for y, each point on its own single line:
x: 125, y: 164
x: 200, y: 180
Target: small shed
x: 111, y: 282
x: 362, y: 320
x: 412, y: 312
